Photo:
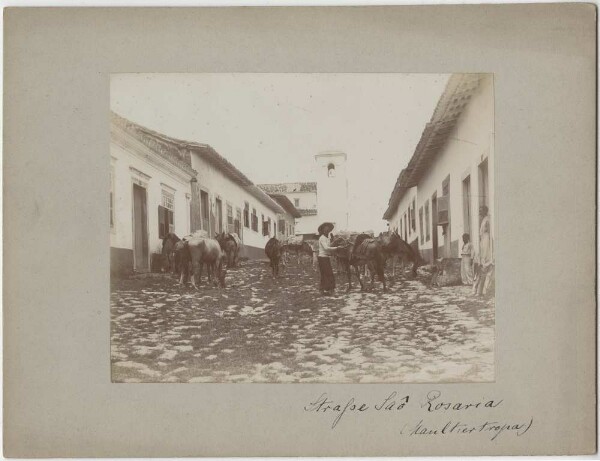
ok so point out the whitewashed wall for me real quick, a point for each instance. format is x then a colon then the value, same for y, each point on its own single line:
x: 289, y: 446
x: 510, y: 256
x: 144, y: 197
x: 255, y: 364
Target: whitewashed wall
x: 121, y: 235
x: 333, y: 191
x: 217, y: 185
x: 470, y: 143
x: 307, y: 224
x: 308, y: 200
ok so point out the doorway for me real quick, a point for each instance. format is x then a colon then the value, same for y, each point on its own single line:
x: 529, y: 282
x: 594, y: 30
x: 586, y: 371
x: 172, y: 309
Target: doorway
x: 446, y: 228
x: 467, y: 205
x: 483, y: 183
x: 434, y: 225
x: 140, y: 229
x: 219, y: 205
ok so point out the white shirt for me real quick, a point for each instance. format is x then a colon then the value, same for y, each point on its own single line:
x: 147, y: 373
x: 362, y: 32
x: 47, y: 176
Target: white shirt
x: 325, y: 248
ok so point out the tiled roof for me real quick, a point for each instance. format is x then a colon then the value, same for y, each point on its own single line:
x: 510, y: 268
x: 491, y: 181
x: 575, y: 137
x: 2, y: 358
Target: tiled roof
x: 156, y: 142
x: 181, y: 151
x: 454, y: 99
x: 286, y: 204
x: 289, y: 187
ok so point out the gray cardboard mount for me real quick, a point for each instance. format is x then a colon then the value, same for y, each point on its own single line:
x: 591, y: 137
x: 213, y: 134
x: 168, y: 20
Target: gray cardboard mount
x: 58, y: 398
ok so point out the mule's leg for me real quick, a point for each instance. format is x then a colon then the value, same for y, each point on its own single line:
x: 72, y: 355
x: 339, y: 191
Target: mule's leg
x: 371, y: 266
x: 382, y: 276
x: 348, y: 270
x: 362, y: 286
x: 196, y: 271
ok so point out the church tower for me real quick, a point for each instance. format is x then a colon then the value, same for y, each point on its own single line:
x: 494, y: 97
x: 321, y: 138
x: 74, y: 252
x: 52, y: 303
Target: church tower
x: 332, y: 189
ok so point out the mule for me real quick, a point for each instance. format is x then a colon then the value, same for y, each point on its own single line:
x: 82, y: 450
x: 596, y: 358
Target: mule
x: 365, y: 251
x: 273, y: 250
x: 393, y: 245
x: 168, y: 252
x: 369, y: 251
x: 206, y: 251
x: 182, y: 261
x: 230, y: 243
x: 299, y: 248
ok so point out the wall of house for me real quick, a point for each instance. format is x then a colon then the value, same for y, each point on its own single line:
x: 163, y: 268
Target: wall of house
x: 307, y: 225
x: 470, y: 144
x: 289, y: 226
x: 217, y: 185
x: 401, y: 220
x: 308, y: 200
x: 154, y: 180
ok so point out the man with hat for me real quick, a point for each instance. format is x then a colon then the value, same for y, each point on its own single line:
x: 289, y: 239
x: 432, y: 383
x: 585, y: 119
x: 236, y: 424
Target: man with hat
x: 324, y: 253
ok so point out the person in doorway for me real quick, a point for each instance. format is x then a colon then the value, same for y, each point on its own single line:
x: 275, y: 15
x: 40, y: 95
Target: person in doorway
x: 485, y: 261
x: 324, y: 253
x: 466, y: 264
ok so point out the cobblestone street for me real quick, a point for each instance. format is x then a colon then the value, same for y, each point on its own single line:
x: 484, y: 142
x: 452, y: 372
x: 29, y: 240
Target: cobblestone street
x: 261, y: 329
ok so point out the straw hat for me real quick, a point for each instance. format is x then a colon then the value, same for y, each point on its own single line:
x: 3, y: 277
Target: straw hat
x: 325, y: 224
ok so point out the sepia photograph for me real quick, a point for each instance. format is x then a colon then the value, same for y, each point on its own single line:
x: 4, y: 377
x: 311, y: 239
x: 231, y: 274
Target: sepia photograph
x: 302, y: 228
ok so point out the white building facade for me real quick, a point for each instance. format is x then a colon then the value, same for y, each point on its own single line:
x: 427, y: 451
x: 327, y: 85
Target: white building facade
x: 326, y: 199
x: 451, y: 174
x: 303, y: 196
x: 150, y: 193
x: 223, y: 199
x: 161, y: 184
x: 332, y: 184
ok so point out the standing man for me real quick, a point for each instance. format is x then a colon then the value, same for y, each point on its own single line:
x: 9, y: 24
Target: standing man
x: 324, y: 253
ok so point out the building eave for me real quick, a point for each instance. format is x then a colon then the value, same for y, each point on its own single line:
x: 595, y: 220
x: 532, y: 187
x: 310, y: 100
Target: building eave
x: 456, y: 96
x: 286, y: 204
x: 179, y: 153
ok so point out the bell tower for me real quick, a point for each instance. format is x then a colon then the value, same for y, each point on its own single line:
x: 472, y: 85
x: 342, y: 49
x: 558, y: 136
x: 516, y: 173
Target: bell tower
x: 332, y: 188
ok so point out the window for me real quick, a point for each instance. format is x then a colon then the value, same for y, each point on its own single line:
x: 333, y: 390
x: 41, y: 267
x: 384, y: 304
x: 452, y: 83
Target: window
x: 165, y: 214
x: 219, y: 206
x: 421, y: 223
x: 112, y: 198
x: 296, y: 202
x: 230, y: 227
x: 238, y: 222
x: 205, y: 209
x: 331, y: 170
x: 282, y: 227
x: 266, y: 225
x: 413, y: 218
x: 405, y: 228
x: 427, y: 221
x: 246, y: 214
x: 254, y: 220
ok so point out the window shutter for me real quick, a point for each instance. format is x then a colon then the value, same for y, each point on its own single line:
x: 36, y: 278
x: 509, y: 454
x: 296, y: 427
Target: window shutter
x: 443, y: 206
x: 171, y: 226
x: 161, y: 221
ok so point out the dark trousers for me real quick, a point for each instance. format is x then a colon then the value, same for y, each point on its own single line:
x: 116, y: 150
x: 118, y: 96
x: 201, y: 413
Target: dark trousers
x: 327, y: 277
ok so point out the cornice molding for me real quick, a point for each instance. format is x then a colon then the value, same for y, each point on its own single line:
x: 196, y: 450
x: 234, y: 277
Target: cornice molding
x: 133, y: 145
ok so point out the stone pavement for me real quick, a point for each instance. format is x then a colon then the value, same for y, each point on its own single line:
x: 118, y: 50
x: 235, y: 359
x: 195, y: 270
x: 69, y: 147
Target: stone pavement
x: 261, y: 329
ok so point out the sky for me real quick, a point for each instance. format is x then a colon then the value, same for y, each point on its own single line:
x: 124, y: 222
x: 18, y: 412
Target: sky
x: 270, y: 126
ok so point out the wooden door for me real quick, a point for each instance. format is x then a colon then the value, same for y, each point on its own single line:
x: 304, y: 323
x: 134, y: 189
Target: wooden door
x: 434, y: 225
x: 140, y: 229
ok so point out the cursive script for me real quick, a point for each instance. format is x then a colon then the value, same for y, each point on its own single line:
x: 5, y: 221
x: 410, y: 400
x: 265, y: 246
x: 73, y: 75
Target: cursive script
x: 324, y: 404
x: 466, y: 417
